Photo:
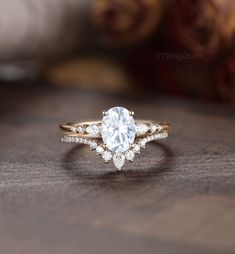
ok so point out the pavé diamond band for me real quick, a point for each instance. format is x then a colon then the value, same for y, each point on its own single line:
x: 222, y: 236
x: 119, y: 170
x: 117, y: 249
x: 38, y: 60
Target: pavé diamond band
x: 117, y: 137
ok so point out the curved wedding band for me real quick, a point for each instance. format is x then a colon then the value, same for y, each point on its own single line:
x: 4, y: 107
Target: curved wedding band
x: 117, y: 137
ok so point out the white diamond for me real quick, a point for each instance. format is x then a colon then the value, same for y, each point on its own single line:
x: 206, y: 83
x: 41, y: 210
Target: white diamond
x: 80, y: 129
x: 142, y: 143
x: 130, y: 155
x: 141, y: 128
x: 99, y: 150
x: 93, y: 130
x: 93, y: 145
x: 107, y: 156
x: 118, y: 129
x: 164, y: 135
x: 119, y: 160
x: 137, y: 148
x: 148, y: 139
x: 86, y: 142
x: 153, y: 128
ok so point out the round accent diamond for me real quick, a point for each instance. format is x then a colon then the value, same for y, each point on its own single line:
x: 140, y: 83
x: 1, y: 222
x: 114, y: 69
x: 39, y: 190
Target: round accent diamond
x: 130, y: 155
x: 99, y: 150
x: 153, y: 128
x: 142, y: 143
x: 93, y: 145
x: 118, y: 129
x: 136, y: 148
x: 107, y: 156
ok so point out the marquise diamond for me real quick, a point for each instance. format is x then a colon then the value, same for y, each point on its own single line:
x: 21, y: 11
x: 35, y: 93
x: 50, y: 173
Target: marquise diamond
x: 141, y: 128
x: 93, y: 129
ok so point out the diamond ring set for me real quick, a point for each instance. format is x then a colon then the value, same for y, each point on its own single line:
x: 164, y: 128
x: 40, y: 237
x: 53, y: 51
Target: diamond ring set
x: 118, y: 137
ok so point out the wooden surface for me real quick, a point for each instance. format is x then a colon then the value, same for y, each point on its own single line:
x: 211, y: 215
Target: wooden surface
x: 55, y: 198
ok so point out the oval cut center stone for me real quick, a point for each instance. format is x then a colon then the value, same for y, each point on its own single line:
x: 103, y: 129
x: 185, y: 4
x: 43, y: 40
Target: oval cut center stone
x: 118, y: 129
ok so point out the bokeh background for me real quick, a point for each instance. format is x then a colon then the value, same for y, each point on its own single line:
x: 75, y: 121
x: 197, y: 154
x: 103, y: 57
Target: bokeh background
x: 180, y: 48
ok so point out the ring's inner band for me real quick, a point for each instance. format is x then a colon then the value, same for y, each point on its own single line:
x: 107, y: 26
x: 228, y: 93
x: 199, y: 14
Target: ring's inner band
x: 72, y: 129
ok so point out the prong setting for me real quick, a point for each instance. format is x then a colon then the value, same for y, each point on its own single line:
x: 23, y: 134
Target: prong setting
x: 104, y: 112
x: 131, y: 113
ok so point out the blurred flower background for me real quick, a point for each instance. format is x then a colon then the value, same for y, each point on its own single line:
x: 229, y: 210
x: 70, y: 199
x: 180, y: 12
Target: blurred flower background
x: 170, y: 47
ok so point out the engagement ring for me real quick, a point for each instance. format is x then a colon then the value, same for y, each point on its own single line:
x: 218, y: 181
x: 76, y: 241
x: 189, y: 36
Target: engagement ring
x: 117, y: 137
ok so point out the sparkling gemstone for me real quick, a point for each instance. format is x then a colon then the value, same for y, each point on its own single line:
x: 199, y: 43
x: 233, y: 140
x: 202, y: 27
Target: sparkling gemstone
x: 148, y: 139
x: 130, y: 155
x: 153, y: 128
x: 93, y: 145
x: 142, y: 143
x: 93, y: 130
x: 99, y: 150
x: 107, y: 156
x: 119, y: 160
x: 137, y: 148
x: 118, y: 129
x: 80, y: 129
x: 141, y: 128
